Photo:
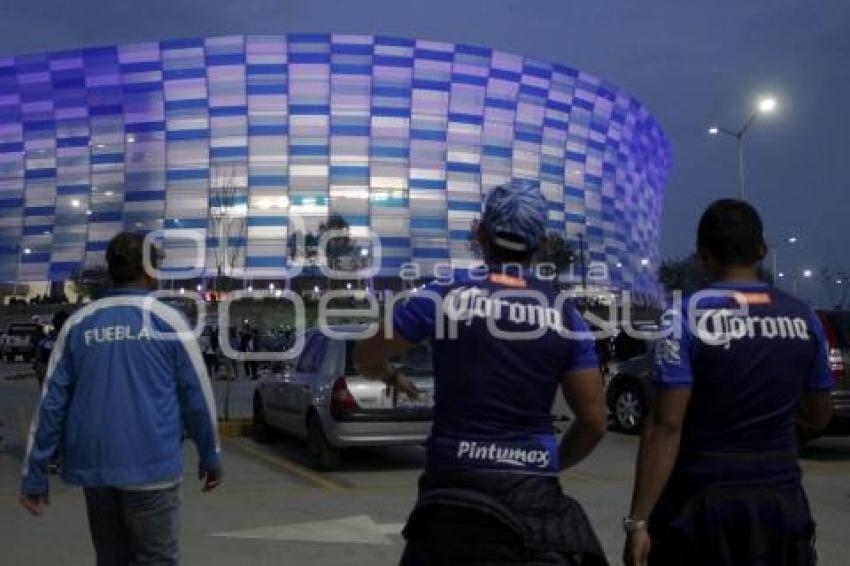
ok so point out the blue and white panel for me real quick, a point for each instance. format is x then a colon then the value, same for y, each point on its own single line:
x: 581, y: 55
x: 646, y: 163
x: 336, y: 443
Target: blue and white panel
x: 468, y: 92
x: 389, y: 159
x: 427, y: 196
x: 350, y: 127
x: 267, y: 95
x: 309, y: 57
x: 400, y: 137
x: 39, y: 137
x: 187, y: 154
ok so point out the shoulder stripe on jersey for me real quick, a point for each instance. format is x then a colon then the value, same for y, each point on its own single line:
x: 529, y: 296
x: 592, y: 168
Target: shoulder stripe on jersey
x: 176, y: 321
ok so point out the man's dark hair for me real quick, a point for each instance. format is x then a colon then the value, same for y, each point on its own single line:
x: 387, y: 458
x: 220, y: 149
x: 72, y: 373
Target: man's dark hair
x: 731, y: 232
x: 124, y: 258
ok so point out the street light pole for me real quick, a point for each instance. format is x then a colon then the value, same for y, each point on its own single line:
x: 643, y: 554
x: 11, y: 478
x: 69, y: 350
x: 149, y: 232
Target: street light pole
x: 775, y: 251
x: 765, y: 106
x: 741, y: 163
x: 807, y: 274
x: 583, y: 267
x: 773, y: 270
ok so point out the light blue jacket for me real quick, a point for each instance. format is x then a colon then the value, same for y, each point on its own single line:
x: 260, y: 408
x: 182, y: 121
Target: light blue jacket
x: 124, y: 381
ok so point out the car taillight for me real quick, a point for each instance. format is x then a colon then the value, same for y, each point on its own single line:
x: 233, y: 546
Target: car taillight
x: 836, y: 363
x: 342, y: 401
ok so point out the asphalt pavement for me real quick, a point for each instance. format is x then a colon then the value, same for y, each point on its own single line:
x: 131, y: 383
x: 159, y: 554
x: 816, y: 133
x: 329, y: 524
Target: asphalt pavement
x: 273, y: 509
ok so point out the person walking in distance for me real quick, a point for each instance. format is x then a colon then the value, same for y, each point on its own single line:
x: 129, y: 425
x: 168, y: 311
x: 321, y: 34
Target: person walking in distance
x: 45, y: 347
x: 743, y: 371
x: 42, y: 357
x: 124, y: 381
x: 232, y: 363
x: 503, y: 342
x: 248, y: 341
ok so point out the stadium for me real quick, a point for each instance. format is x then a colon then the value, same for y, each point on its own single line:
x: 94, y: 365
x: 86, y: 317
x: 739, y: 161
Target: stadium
x: 242, y: 142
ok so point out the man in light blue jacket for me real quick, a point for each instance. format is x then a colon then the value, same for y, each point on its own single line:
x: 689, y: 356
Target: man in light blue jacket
x: 124, y: 381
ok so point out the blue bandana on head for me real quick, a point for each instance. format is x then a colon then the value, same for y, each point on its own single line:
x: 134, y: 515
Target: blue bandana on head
x: 515, y: 215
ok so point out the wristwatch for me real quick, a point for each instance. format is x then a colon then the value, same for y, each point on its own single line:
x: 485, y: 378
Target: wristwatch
x: 630, y: 525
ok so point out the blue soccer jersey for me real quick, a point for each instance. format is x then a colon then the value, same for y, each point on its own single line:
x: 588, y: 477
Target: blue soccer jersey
x: 748, y: 352
x: 500, y: 350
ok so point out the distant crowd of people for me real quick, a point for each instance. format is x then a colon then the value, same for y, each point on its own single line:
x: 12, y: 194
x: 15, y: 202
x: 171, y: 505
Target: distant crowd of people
x: 44, y: 299
x: 246, y: 338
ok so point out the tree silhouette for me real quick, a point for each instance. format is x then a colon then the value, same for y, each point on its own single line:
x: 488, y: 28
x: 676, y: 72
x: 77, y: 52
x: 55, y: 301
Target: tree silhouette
x: 555, y: 250
x: 292, y: 244
x: 227, y: 222
x: 688, y: 276
x: 90, y: 281
x: 337, y: 247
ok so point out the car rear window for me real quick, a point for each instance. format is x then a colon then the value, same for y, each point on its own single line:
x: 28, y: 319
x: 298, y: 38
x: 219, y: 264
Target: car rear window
x: 311, y: 358
x: 416, y: 361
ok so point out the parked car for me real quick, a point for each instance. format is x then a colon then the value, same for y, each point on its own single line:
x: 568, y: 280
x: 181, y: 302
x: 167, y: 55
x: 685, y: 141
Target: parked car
x: 629, y: 376
x: 324, y: 401
x: 20, y: 339
x: 836, y: 325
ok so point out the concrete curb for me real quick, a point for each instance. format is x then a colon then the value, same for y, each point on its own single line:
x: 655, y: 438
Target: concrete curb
x: 234, y: 428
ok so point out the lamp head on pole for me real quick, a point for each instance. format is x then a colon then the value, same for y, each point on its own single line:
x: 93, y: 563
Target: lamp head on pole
x: 767, y: 105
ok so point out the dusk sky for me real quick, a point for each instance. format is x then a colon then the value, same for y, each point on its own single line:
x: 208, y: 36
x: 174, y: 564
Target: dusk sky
x: 692, y: 64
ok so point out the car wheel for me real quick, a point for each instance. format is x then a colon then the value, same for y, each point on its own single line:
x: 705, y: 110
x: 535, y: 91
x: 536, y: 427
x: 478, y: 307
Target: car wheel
x: 260, y: 429
x: 323, y: 456
x: 629, y: 408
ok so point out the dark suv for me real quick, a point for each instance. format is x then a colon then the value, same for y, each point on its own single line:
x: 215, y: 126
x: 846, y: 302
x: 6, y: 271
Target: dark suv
x: 836, y: 325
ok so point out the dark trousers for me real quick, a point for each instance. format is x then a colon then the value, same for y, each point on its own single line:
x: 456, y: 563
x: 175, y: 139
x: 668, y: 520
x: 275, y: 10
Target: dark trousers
x: 731, y: 525
x: 138, y: 528
x: 469, y: 518
x: 454, y: 536
x: 212, y: 363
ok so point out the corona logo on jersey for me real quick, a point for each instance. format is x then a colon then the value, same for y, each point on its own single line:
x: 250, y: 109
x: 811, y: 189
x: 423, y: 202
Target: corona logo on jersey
x: 721, y: 326
x: 466, y: 303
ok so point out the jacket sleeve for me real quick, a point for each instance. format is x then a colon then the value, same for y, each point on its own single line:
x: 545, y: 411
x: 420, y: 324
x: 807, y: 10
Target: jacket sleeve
x: 48, y: 421
x: 197, y: 404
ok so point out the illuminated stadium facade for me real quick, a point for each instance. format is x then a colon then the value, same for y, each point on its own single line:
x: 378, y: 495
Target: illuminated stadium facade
x: 398, y: 136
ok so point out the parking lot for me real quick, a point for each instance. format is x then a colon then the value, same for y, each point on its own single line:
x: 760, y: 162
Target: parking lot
x: 275, y: 509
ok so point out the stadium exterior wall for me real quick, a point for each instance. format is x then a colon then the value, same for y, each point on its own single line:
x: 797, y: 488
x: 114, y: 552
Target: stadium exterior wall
x: 399, y: 136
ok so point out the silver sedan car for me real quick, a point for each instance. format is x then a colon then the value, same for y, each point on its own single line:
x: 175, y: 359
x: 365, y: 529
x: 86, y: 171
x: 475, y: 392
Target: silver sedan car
x: 324, y: 401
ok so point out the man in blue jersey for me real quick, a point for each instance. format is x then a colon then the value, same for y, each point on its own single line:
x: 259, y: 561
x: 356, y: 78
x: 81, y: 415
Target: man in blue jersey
x: 124, y: 381
x: 718, y: 481
x: 503, y: 343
